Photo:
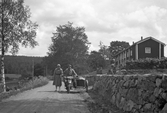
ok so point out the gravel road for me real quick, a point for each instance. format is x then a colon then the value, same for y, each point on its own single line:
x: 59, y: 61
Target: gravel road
x: 46, y: 100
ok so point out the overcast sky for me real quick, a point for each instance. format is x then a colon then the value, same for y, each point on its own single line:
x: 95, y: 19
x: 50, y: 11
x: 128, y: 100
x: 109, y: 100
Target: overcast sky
x: 104, y: 20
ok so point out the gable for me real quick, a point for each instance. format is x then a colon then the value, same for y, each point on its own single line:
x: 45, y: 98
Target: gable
x: 148, y: 38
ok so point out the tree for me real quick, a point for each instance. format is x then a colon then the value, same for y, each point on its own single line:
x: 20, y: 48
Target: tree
x: 69, y: 46
x: 15, y: 28
x: 38, y: 69
x: 95, y: 60
x: 104, y: 50
x: 117, y: 46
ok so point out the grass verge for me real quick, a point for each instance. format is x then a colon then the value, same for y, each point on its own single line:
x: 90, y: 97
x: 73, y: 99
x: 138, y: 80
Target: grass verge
x: 37, y: 82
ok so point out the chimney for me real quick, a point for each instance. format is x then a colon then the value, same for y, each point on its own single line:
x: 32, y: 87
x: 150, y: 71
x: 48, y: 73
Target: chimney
x: 141, y: 37
x: 133, y: 42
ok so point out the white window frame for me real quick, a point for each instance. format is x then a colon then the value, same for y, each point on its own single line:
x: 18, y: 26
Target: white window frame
x: 148, y: 50
x: 130, y: 52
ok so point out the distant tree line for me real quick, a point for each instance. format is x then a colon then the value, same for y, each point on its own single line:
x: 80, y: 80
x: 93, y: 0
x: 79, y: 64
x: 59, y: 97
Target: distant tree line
x: 24, y: 65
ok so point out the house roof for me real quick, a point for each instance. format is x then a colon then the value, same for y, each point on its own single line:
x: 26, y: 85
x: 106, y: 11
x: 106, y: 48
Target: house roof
x: 140, y: 41
x: 145, y: 39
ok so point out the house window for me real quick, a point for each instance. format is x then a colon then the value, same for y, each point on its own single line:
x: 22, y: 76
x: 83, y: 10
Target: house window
x: 131, y: 53
x: 147, y: 49
x: 128, y: 54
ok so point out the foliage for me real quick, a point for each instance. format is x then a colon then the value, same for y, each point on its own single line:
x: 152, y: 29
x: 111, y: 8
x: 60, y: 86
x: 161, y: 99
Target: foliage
x: 40, y: 81
x: 104, y: 50
x: 69, y: 46
x: 38, y: 69
x: 16, y: 27
x: 20, y: 64
x: 95, y: 60
x: 117, y: 46
x: 148, y: 63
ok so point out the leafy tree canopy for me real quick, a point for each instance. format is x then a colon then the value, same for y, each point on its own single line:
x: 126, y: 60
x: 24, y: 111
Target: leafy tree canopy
x: 69, y: 45
x: 117, y: 46
x: 15, y: 26
x: 96, y: 60
x: 104, y: 50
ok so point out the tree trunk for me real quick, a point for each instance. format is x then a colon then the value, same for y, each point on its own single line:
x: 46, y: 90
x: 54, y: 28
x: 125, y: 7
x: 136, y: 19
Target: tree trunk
x: 3, y: 68
x: 3, y: 51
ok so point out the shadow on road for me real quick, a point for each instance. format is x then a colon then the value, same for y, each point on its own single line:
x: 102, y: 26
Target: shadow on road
x: 71, y: 92
x: 46, y: 91
x: 63, y: 92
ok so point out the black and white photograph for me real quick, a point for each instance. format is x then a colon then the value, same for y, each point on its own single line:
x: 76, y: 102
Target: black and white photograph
x: 83, y: 56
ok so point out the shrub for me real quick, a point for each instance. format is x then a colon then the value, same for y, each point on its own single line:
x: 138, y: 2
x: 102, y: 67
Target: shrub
x: 36, y: 82
x: 148, y: 63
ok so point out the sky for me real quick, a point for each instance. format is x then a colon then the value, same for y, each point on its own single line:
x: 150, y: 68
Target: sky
x: 104, y: 20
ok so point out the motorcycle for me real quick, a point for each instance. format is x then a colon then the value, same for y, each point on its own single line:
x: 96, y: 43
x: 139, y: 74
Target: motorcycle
x: 77, y: 82
x: 68, y: 83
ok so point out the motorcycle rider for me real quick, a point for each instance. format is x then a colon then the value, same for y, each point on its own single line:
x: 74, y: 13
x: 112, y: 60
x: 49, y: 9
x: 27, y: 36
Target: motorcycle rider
x: 71, y: 72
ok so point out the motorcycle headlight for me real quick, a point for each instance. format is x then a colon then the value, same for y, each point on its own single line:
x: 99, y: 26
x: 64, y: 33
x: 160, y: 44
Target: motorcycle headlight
x: 70, y: 81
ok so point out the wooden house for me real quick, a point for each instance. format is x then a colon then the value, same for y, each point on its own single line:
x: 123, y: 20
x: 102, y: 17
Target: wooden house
x: 145, y: 48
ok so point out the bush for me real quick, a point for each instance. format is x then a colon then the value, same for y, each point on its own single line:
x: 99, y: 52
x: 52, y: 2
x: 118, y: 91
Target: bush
x: 148, y: 63
x: 36, y: 82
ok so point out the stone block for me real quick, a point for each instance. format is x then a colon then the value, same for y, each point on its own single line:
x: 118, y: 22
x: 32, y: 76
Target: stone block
x: 126, y: 78
x: 160, y: 103
x: 165, y: 108
x: 152, y: 78
x: 130, y: 105
x: 164, y: 84
x: 118, y: 99
x: 132, y: 83
x: 146, y: 95
x: 146, y: 85
x: 157, y: 91
x: 140, y: 91
x: 162, y: 112
x: 123, y: 92
x: 136, y: 112
x: 125, y: 107
x: 113, y: 99
x: 126, y: 84
x: 132, y: 95
x: 158, y: 82
x: 122, y: 103
x: 140, y: 101
x: 137, y: 106
x: 152, y: 98
x: 147, y: 106
x: 164, y: 96
x: 121, y: 83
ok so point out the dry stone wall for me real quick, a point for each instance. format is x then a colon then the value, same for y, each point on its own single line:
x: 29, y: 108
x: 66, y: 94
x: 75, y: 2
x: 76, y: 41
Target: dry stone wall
x: 135, y: 93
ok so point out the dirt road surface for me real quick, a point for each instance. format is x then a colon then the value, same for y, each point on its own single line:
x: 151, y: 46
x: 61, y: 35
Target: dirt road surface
x: 46, y: 100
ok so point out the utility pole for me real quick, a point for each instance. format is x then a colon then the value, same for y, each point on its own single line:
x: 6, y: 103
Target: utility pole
x: 46, y: 70
x: 32, y: 73
x: 33, y: 68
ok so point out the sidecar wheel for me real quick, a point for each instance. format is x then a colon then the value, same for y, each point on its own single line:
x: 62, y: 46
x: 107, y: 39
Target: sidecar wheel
x: 68, y: 89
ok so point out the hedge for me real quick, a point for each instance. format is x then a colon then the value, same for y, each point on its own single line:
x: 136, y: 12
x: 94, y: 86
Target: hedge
x: 148, y: 63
